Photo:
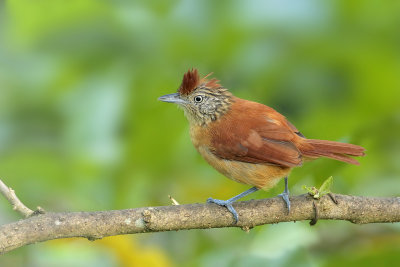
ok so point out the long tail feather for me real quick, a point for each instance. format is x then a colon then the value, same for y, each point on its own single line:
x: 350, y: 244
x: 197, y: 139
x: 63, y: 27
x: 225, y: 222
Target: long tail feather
x: 334, y: 150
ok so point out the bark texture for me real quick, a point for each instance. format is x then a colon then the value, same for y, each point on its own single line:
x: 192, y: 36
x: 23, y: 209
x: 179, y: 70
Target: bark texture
x: 95, y: 225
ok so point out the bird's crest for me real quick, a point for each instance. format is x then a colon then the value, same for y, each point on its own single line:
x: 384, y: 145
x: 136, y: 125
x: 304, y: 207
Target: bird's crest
x: 191, y: 80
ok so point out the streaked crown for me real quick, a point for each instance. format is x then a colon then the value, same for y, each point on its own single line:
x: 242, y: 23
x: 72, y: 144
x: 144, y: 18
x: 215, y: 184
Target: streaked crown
x: 205, y: 99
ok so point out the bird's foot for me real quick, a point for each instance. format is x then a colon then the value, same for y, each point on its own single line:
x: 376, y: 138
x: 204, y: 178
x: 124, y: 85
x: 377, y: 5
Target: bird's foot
x: 285, y: 196
x: 227, y: 204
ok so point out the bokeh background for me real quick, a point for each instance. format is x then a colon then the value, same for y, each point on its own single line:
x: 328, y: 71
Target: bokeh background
x: 81, y: 127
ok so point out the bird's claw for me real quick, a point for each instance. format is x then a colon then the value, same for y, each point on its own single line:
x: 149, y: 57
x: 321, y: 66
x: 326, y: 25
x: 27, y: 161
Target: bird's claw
x: 285, y: 196
x: 227, y: 204
x: 211, y: 200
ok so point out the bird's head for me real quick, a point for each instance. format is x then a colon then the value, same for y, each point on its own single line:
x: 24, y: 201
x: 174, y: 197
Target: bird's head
x: 202, y: 100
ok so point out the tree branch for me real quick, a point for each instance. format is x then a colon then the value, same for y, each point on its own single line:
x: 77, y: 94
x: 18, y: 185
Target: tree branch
x: 95, y: 225
x: 17, y: 205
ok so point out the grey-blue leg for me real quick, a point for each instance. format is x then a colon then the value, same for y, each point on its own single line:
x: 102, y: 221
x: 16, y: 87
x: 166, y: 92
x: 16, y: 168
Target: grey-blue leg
x: 285, y: 194
x: 228, y: 203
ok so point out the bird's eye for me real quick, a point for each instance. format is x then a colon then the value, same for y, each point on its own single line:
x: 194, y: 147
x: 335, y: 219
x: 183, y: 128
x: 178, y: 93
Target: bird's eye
x: 198, y: 98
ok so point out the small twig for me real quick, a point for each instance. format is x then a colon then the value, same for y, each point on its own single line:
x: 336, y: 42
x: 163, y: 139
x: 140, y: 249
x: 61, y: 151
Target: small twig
x: 17, y: 205
x: 332, y: 196
x: 174, y: 202
x: 316, y: 217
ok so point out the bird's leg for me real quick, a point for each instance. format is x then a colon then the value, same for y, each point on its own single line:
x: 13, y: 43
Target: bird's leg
x: 285, y: 194
x: 228, y: 203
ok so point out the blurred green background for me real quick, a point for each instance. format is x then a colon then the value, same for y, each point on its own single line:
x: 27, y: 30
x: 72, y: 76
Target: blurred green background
x: 81, y: 127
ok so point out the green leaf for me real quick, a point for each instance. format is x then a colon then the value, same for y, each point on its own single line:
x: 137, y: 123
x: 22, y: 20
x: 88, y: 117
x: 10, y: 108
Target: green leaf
x: 326, y: 186
x: 312, y: 191
x: 323, y: 190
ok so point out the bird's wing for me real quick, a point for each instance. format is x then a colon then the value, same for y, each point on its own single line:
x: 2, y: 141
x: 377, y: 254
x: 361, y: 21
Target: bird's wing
x: 260, y: 135
x: 294, y: 129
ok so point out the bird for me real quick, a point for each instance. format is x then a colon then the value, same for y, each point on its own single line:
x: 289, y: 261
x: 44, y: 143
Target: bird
x: 246, y: 141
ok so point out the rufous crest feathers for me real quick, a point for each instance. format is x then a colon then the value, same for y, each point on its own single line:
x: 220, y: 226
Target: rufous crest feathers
x: 191, y: 80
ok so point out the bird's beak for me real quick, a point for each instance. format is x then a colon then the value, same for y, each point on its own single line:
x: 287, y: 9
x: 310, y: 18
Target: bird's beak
x: 172, y: 98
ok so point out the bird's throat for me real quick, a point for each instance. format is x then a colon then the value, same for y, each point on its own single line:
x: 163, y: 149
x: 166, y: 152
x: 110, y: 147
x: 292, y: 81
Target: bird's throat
x: 204, y: 119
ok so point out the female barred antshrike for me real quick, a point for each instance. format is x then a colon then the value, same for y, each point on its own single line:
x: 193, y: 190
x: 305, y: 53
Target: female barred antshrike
x: 246, y: 141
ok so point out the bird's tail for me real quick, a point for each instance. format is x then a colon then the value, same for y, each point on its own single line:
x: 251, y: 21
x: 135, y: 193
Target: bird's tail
x: 334, y: 150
